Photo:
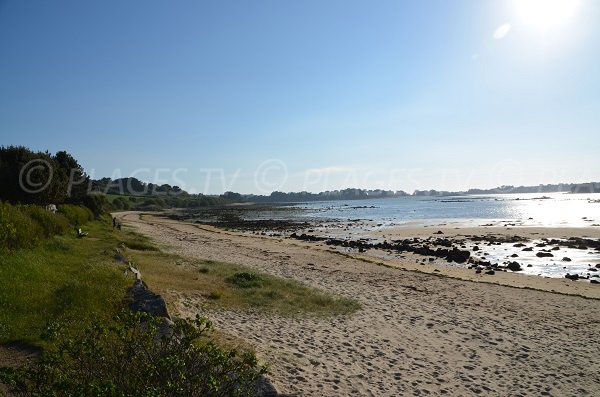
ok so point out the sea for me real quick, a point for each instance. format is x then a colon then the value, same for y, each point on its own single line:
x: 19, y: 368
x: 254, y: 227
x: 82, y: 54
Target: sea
x: 529, y: 209
x: 359, y: 219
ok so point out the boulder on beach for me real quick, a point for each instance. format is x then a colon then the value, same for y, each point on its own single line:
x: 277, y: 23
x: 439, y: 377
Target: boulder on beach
x: 458, y: 256
x: 542, y: 254
x: 514, y: 266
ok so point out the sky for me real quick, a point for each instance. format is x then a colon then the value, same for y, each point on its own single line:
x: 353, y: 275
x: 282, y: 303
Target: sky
x: 256, y: 96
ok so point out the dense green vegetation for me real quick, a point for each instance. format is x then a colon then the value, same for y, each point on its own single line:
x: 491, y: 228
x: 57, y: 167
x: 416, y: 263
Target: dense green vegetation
x: 29, y: 177
x: 133, y: 356
x: 65, y: 294
x: 63, y: 280
x: 158, y: 202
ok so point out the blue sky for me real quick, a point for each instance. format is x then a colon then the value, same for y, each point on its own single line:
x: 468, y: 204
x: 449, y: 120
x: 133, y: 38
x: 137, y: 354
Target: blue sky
x: 257, y: 96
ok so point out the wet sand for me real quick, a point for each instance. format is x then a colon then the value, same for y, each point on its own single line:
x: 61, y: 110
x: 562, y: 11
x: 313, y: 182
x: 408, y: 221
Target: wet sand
x: 416, y: 334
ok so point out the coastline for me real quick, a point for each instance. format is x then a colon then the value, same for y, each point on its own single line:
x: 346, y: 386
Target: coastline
x: 417, y: 333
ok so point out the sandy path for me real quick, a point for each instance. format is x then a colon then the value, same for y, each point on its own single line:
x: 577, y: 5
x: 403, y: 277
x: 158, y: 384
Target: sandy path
x: 417, y: 334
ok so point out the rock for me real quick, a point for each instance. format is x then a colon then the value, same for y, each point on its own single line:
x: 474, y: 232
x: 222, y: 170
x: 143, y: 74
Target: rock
x: 528, y: 249
x: 490, y: 272
x: 566, y: 259
x: 572, y: 276
x: 594, y: 282
x: 519, y: 245
x: 144, y: 300
x: 475, y: 248
x: 478, y: 271
x: 458, y: 256
x: 514, y: 256
x: 514, y: 266
x: 544, y: 255
x: 530, y: 265
x: 555, y: 248
x: 439, y: 232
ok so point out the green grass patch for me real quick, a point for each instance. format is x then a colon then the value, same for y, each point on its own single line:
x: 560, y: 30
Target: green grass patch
x: 231, y: 286
x: 62, y: 280
x: 245, y: 280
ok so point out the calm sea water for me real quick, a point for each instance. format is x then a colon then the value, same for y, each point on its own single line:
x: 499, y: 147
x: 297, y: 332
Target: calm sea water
x: 552, y: 210
x: 549, y: 210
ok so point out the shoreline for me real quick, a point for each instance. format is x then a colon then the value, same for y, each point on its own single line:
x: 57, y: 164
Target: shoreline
x: 416, y: 334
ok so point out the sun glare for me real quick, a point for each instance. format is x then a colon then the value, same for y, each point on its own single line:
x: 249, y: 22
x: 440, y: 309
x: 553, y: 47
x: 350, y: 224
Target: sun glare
x: 546, y: 14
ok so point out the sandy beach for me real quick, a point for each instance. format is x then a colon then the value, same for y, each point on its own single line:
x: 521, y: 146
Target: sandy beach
x: 418, y: 333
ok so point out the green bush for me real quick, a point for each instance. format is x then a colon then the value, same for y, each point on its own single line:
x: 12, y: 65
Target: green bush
x: 121, y: 203
x: 76, y: 214
x: 245, y: 280
x: 17, y: 230
x: 136, y: 356
x: 97, y: 203
x: 22, y: 226
x: 46, y: 223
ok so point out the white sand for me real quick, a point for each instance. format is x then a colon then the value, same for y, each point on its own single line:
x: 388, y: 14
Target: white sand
x: 417, y: 334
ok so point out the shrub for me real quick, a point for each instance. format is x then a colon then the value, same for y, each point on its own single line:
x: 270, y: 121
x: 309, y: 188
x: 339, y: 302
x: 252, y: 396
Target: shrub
x: 17, y: 230
x: 245, y: 280
x: 97, y: 203
x: 136, y: 357
x: 76, y: 214
x: 46, y: 223
x: 22, y: 226
x: 120, y: 203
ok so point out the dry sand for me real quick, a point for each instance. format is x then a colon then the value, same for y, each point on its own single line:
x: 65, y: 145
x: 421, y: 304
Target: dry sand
x: 416, y: 334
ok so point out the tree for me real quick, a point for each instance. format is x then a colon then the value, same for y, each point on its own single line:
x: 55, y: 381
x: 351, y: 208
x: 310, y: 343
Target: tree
x: 31, y: 178
x: 78, y: 181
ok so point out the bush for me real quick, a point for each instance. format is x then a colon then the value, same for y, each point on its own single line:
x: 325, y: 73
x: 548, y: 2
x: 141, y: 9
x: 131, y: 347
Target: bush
x: 136, y: 357
x: 46, y: 223
x: 76, y: 214
x: 97, y: 203
x: 245, y: 280
x: 121, y: 203
x: 23, y: 226
x: 16, y: 228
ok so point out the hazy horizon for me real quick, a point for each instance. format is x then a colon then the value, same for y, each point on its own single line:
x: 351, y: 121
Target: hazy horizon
x: 263, y: 96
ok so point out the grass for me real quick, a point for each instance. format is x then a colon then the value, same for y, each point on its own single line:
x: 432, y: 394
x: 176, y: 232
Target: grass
x: 232, y: 286
x: 62, y: 280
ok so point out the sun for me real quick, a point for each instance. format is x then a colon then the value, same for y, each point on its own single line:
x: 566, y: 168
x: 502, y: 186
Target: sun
x: 546, y: 14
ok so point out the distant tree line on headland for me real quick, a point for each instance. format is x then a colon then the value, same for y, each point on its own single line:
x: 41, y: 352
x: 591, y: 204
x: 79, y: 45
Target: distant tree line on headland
x: 359, y: 194
x: 590, y: 187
